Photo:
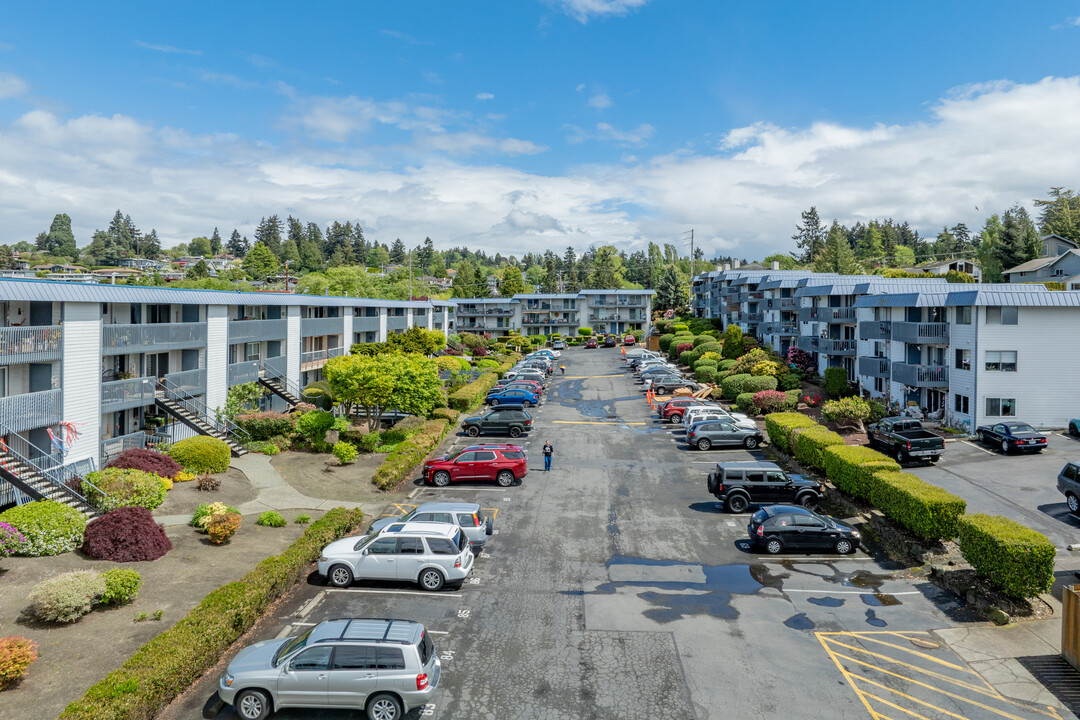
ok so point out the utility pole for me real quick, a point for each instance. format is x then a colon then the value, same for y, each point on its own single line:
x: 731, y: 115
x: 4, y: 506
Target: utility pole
x: 410, y: 277
x: 287, y: 276
x: 693, y: 259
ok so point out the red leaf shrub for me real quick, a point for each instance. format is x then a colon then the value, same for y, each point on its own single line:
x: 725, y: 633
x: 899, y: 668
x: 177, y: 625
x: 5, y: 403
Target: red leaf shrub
x: 767, y: 401
x: 127, y: 534
x: 683, y: 347
x: 147, y: 461
x: 479, y: 352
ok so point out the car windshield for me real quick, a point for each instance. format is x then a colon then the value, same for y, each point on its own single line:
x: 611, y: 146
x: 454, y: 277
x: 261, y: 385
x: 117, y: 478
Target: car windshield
x: 1020, y: 428
x: 290, y: 647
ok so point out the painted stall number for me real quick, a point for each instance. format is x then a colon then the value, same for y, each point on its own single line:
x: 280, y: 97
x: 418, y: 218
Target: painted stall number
x: 463, y: 613
x: 447, y: 655
x: 474, y: 581
x: 427, y: 710
x: 485, y: 554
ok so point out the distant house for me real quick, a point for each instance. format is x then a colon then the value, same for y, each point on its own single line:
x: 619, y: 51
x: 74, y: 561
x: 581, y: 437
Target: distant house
x: 493, y: 284
x: 941, y: 267
x: 59, y: 268
x: 451, y: 273
x: 122, y: 272
x: 1055, y: 245
x: 144, y: 264
x: 18, y: 264
x: 443, y: 283
x: 1057, y: 269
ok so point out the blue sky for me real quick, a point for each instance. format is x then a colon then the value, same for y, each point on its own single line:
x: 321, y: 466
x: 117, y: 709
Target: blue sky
x: 518, y: 126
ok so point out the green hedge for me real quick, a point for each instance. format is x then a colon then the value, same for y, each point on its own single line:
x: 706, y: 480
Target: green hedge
x: 705, y: 374
x: 1013, y: 557
x: 687, y: 357
x: 836, y: 382
x: 702, y: 339
x: 725, y: 365
x: 448, y: 414
x: 926, y: 510
x: 469, y: 396
x: 733, y: 385
x: 167, y: 665
x: 850, y: 468
x: 503, y: 369
x: 401, y: 463
x: 665, y: 341
x: 702, y: 362
x: 757, y: 383
x: 808, y: 444
x: 201, y: 454
x: 744, y: 403
x: 780, y: 425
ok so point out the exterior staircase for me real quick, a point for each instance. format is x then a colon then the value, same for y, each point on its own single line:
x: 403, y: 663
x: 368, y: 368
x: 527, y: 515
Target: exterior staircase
x: 282, y: 387
x: 44, y: 478
x: 193, y: 412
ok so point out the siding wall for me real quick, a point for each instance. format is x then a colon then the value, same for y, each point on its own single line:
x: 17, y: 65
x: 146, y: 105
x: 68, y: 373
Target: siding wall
x: 962, y: 382
x: 293, y: 343
x: 217, y: 355
x: 82, y: 377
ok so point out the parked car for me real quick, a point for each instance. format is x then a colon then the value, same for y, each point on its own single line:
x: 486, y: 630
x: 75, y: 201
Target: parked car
x: 781, y: 527
x: 668, y: 383
x: 507, y: 420
x: 467, y: 516
x: 503, y: 464
x: 558, y: 345
x: 740, y: 484
x: 905, y: 439
x: 502, y: 396
x: 523, y: 385
x: 1011, y: 436
x: 722, y: 433
x: 429, y: 554
x: 551, y: 352
x: 1068, y: 484
x: 507, y: 382
x: 656, y: 371
x: 609, y: 341
x: 674, y: 409
x: 628, y: 339
x: 383, y: 667
x: 591, y: 343
x: 537, y: 376
x: 700, y: 414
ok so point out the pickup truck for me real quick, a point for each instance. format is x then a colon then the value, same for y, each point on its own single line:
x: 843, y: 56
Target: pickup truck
x: 905, y: 439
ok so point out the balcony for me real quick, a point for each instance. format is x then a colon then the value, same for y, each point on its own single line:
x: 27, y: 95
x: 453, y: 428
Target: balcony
x: 114, y: 446
x: 829, y: 346
x: 314, y: 327
x: 921, y: 376
x: 781, y: 304
x: 751, y: 317
x: 921, y: 333
x: 317, y: 358
x: 781, y: 329
x: 874, y: 367
x: 188, y: 382
x: 31, y: 410
x: 841, y: 315
x: 153, y: 337
x: 243, y: 372
x: 276, y: 366
x: 20, y: 345
x: 875, y: 330
x: 127, y: 394
x: 257, y: 330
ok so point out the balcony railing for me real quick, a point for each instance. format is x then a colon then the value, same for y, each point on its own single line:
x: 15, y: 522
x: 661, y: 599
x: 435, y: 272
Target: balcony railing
x: 781, y: 329
x: 31, y: 410
x: 276, y: 366
x: 317, y: 358
x: 127, y: 394
x: 154, y: 337
x: 751, y: 317
x: 874, y: 367
x: 828, y: 346
x: 257, y: 330
x: 920, y: 375
x: 781, y: 303
x: 188, y: 382
x: 312, y: 327
x: 921, y: 333
x: 875, y: 330
x: 243, y: 372
x: 30, y: 344
x: 114, y: 446
x: 827, y: 314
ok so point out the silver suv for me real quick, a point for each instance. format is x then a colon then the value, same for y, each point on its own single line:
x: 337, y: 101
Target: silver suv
x: 428, y: 553
x: 468, y: 516
x: 385, y: 667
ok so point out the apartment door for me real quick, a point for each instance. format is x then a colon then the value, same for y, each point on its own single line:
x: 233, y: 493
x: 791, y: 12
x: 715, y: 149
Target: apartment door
x: 157, y: 364
x: 189, y: 359
x: 40, y: 313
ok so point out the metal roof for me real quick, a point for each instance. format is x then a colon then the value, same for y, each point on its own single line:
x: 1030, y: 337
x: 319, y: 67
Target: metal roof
x: 617, y: 292
x: 1026, y: 298
x: 907, y: 299
x: 484, y: 301
x: 972, y: 294
x: 546, y: 296
x: 1033, y: 264
x: 865, y: 284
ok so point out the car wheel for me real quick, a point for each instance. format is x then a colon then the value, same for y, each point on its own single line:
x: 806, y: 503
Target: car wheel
x: 676, y: 418
x: 980, y: 436
x: 252, y: 705
x: 505, y: 478
x: 340, y: 576
x: 526, y: 403
x: 472, y: 431
x: 384, y: 707
x: 807, y: 500
x: 736, y: 504
x: 934, y: 458
x: 431, y: 579
x: 494, y: 402
x: 750, y: 443
x: 515, y: 432
x: 1073, y: 430
x: 901, y: 456
x: 441, y: 478
x: 1005, y: 446
x: 1073, y: 502
x: 843, y: 547
x: 704, y: 444
x: 773, y: 546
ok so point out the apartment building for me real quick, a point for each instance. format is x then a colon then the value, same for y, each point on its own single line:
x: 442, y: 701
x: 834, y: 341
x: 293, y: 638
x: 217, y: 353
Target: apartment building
x: 83, y: 367
x: 606, y: 311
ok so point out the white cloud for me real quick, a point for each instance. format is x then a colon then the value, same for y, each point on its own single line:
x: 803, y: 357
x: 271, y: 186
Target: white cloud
x: 1069, y: 22
x: 397, y: 35
x: 583, y: 10
x: 608, y: 133
x: 990, y: 148
x: 167, y: 48
x: 600, y: 100
x: 580, y: 87
x: 484, y: 96
x: 11, y: 85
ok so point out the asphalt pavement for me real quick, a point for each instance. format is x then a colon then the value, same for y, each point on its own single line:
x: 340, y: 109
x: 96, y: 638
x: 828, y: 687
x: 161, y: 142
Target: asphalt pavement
x: 615, y: 588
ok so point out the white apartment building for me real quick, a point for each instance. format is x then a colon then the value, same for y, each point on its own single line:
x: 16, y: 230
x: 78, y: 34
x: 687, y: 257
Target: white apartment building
x: 605, y: 311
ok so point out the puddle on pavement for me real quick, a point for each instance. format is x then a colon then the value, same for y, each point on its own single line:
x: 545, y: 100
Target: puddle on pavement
x: 873, y: 619
x: 800, y: 622
x: 832, y: 602
x: 880, y: 600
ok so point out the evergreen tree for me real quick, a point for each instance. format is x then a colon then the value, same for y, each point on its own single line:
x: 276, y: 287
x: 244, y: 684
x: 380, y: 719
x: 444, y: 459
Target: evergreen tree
x: 570, y: 271
x: 836, y: 256
x: 7, y: 257
x: 550, y: 283
x: 1019, y: 240
x: 464, y: 285
x: 671, y: 292
x: 870, y: 247
x: 359, y: 244
x: 197, y: 271
x: 260, y: 262
x: 342, y: 256
x: 59, y: 240
x: 290, y: 253
x: 336, y: 236
x: 607, y: 270
x: 269, y: 234
x: 425, y: 253
x: 397, y: 252
x: 200, y: 247
x: 150, y: 246
x: 237, y: 246
x: 295, y: 232
x: 988, y: 250
x: 311, y: 258
x: 1060, y: 214
x: 215, y: 242
x: 512, y: 282
x: 379, y: 257
x: 810, y: 236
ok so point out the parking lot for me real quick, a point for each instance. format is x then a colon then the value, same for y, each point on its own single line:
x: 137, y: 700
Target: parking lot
x: 614, y: 587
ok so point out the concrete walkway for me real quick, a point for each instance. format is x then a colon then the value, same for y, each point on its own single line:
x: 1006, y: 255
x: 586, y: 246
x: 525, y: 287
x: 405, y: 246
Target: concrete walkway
x: 274, y: 493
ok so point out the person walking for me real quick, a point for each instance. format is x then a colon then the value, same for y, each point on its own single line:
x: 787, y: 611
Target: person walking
x: 548, y: 452
x: 562, y: 368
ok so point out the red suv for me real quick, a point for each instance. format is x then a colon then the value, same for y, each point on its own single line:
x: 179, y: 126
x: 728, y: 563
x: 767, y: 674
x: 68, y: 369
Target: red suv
x: 628, y: 340
x: 505, y: 464
x: 677, y: 407
x: 591, y: 343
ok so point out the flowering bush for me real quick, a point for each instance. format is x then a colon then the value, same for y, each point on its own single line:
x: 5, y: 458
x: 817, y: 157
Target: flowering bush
x: 16, y: 656
x: 121, y: 586
x: 50, y: 528
x: 205, y: 513
x: 11, y: 540
x: 345, y: 452
x: 147, y: 461
x: 127, y: 534
x: 222, y: 527
x: 117, y: 487
x: 812, y: 400
x: 184, y: 476
x: 67, y: 597
x: 270, y: 518
x: 768, y: 401
x: 802, y: 360
x: 303, y: 407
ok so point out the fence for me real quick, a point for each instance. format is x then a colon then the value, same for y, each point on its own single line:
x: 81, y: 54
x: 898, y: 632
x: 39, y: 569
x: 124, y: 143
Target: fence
x: 114, y: 446
x: 126, y: 394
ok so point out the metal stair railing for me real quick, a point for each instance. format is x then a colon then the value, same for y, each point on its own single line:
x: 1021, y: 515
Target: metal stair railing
x: 52, y: 469
x: 288, y: 385
x: 197, y: 408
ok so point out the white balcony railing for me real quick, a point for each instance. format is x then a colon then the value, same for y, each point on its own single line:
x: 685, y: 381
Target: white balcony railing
x: 30, y: 344
x: 31, y: 410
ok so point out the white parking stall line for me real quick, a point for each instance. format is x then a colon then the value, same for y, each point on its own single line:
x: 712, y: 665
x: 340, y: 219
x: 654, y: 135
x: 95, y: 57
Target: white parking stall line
x: 395, y: 592
x: 833, y: 558
x: 982, y: 449
x: 437, y: 632
x: 827, y: 591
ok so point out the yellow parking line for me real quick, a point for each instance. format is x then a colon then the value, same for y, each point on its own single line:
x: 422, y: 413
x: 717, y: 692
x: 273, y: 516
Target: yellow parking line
x: 917, y: 701
x: 586, y: 377
x: 404, y: 507
x: 592, y: 422
x: 494, y: 512
x: 940, y: 676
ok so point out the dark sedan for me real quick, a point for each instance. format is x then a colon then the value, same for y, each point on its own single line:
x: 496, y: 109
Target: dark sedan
x: 1012, y: 436
x: 779, y: 527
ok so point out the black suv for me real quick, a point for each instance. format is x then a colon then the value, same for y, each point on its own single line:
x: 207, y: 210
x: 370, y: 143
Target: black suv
x: 500, y: 421
x: 738, y: 484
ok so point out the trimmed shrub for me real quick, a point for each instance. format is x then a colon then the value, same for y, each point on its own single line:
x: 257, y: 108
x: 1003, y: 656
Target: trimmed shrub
x: 203, y: 454
x: 127, y: 534
x: 147, y: 461
x: 705, y: 374
x: 665, y: 342
x: 768, y: 367
x: 1013, y: 557
x: 265, y: 425
x: 682, y: 347
x: 733, y: 341
x: 790, y: 381
x: 680, y: 327
x: 205, y: 512
x: 704, y: 362
x: 369, y: 442
x: 313, y: 426
x: 50, y: 528
x: 185, y: 476
x: 836, y: 383
x: 487, y: 364
x: 479, y: 352
x: 67, y: 597
x: 271, y: 518
x: 469, y: 396
x: 464, y: 364
x: 687, y: 357
x: 448, y: 414
x: 222, y: 527
x: 770, y: 401
x: 926, y: 510
x: 400, y: 463
x: 733, y: 385
x: 121, y: 586
x: 725, y: 365
x: 345, y: 452
x: 17, y: 654
x: 702, y: 339
x: 779, y: 426
x: 115, y: 488
x: 850, y: 468
x: 744, y: 403
x: 584, y: 331
x: 847, y: 412
x: 168, y: 664
x: 756, y: 384
x: 11, y: 540
x: 745, y: 363
x: 809, y: 442
x: 711, y: 348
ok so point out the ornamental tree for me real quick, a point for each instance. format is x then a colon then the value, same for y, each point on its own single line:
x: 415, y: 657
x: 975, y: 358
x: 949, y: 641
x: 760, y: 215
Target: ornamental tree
x: 407, y: 382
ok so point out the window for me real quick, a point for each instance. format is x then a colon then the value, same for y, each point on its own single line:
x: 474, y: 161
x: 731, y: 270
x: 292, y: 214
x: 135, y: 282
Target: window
x: 1000, y: 407
x: 963, y: 359
x: 354, y: 657
x: 411, y: 546
x: 390, y: 658
x: 1001, y: 360
x: 251, y: 351
x: 1069, y: 472
x: 484, y: 456
x: 808, y: 521
x: 1006, y: 315
x: 442, y: 546
x: 466, y: 457
x: 313, y: 659
x: 961, y: 404
x: 755, y: 476
x: 383, y: 546
x: 963, y: 315
x: 513, y: 454
x: 466, y: 520
x: 776, y: 477
x: 879, y: 385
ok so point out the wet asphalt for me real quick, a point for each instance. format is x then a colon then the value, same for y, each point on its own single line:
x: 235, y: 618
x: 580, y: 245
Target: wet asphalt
x: 615, y: 588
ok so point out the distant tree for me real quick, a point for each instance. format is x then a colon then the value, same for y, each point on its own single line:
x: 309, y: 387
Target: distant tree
x: 417, y: 340
x: 425, y: 254
x: 870, y: 247
x: 200, y: 247
x: 290, y: 253
x: 550, y: 283
x: 259, y: 262
x: 378, y: 257
x: 903, y: 256
x: 836, y: 255
x: 512, y: 282
x: 464, y: 284
x: 311, y: 258
x: 269, y: 234
x: 671, y: 291
x: 786, y: 261
x: 810, y: 236
x: 534, y: 276
x: 7, y: 258
x: 342, y: 256
x: 197, y: 271
x: 988, y: 250
x: 1019, y: 240
x: 607, y: 269
x: 238, y: 246
x: 215, y: 242
x: 150, y: 246
x: 1060, y: 214
x: 397, y: 252
x: 59, y: 240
